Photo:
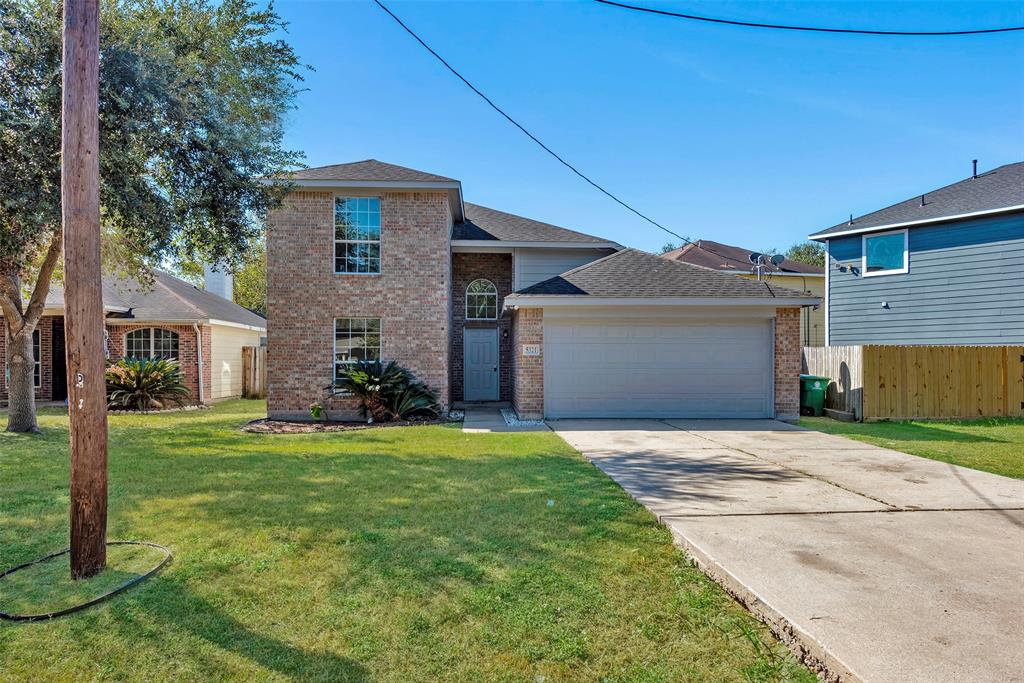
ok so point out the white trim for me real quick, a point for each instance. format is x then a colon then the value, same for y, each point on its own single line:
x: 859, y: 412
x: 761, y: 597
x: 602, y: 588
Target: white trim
x: 152, y: 342
x: 493, y: 245
x: 492, y: 293
x: 891, y: 271
x: 828, y: 281
x: 184, y: 321
x: 548, y: 300
x: 226, y: 323
x: 334, y: 341
x: 924, y: 221
x: 38, y: 362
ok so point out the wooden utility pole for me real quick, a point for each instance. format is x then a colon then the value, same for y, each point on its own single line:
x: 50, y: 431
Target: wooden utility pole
x: 83, y: 299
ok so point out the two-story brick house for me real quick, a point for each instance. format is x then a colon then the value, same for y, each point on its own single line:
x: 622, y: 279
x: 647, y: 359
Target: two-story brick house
x: 371, y: 260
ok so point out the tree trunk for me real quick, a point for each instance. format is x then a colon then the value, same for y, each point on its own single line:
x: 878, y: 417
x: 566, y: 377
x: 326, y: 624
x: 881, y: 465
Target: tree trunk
x: 21, y: 392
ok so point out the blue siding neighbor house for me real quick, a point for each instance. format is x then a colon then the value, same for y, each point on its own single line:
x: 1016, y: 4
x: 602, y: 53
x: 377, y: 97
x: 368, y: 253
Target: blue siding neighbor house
x: 946, y: 267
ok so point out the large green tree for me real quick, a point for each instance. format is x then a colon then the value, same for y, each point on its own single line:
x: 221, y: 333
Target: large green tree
x: 192, y: 99
x: 812, y: 253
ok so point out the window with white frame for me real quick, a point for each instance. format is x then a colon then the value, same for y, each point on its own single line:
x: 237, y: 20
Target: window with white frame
x: 37, y: 356
x: 481, y: 300
x: 884, y: 253
x: 357, y: 235
x: 355, y: 339
x: 151, y: 342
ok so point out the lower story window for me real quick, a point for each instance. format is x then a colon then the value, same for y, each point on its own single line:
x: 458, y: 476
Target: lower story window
x: 151, y: 342
x: 37, y: 356
x: 355, y: 339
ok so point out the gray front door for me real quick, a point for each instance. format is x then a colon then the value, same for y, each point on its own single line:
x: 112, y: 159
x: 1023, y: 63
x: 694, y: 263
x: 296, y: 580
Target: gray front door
x: 480, y: 364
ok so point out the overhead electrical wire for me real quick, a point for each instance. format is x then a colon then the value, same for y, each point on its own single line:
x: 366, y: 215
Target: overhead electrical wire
x: 528, y: 134
x: 815, y: 29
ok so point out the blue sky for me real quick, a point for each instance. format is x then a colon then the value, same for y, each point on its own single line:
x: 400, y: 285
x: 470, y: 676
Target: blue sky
x: 744, y: 136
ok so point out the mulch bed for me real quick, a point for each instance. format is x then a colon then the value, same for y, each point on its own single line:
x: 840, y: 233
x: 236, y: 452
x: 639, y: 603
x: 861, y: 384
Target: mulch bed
x: 266, y: 426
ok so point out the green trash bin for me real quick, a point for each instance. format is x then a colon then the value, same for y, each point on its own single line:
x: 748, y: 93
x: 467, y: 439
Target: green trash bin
x: 812, y: 394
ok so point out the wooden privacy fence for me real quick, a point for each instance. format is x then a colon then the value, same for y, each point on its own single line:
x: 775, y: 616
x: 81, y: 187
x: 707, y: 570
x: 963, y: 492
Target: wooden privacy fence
x: 254, y: 371
x: 894, y: 382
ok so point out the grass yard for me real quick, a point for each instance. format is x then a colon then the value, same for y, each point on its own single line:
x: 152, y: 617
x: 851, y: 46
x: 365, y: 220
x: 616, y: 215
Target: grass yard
x: 397, y: 554
x: 994, y: 445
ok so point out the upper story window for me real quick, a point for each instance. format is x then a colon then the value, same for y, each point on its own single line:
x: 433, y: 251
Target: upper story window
x: 151, y: 342
x: 357, y: 235
x: 37, y: 356
x: 884, y: 253
x: 355, y: 339
x: 481, y: 300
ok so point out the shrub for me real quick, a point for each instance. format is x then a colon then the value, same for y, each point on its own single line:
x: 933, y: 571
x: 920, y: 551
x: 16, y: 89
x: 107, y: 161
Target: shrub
x: 145, y: 384
x: 387, y: 391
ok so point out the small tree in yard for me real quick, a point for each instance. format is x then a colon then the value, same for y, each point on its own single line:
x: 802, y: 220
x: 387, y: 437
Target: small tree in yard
x: 192, y: 99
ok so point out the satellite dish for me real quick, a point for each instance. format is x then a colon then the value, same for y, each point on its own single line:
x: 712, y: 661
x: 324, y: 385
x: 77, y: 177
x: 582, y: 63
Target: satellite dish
x: 754, y: 256
x: 777, y: 259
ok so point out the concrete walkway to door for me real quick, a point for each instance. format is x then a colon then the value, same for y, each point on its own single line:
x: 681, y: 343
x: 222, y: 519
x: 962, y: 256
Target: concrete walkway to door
x: 873, y: 564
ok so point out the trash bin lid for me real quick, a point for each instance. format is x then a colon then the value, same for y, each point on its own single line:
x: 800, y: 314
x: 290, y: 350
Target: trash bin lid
x: 814, y: 377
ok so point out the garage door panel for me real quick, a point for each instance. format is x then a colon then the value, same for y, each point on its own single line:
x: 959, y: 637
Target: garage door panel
x: 662, y: 368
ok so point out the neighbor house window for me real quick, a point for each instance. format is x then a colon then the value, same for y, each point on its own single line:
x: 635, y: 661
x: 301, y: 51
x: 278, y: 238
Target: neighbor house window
x: 37, y: 356
x: 355, y: 339
x: 885, y: 253
x: 481, y: 300
x: 151, y: 342
x: 357, y: 235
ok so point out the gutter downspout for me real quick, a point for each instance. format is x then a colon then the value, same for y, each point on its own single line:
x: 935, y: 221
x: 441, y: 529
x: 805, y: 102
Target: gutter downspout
x: 199, y: 359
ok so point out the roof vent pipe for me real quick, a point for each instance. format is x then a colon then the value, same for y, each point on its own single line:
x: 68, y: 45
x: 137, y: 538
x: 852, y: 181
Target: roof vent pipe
x: 974, y: 173
x: 851, y: 220
x: 922, y: 200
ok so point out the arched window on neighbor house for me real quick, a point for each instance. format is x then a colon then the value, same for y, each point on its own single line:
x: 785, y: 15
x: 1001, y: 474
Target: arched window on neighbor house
x: 151, y: 342
x: 481, y: 300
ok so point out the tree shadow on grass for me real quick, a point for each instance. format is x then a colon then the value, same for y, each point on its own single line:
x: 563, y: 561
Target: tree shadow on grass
x: 170, y: 603
x: 917, y: 431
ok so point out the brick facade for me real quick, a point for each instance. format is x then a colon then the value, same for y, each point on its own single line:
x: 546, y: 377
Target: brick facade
x: 45, y: 327
x: 187, y: 357
x: 115, y: 346
x: 498, y: 269
x: 411, y: 295
x: 787, y: 363
x: 528, y: 371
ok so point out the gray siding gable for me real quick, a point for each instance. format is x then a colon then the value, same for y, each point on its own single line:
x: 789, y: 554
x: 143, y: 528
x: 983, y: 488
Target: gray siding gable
x: 965, y: 285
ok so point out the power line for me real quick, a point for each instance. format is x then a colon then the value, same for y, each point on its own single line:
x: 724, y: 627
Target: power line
x: 817, y: 29
x: 526, y: 132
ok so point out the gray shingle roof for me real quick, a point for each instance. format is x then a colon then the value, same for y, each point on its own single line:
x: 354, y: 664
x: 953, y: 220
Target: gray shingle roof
x: 636, y: 274
x: 489, y: 224
x: 736, y: 259
x: 996, y: 189
x: 169, y: 298
x: 369, y: 170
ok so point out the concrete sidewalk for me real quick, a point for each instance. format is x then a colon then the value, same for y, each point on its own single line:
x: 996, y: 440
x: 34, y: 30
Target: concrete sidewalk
x: 873, y: 564
x: 487, y: 419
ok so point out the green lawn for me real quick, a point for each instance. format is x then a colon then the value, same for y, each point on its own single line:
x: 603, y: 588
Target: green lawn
x: 399, y: 554
x: 993, y: 445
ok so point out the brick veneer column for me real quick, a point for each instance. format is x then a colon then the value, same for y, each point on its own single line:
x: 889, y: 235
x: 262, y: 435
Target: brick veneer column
x: 787, y: 363
x: 411, y: 295
x: 528, y: 371
x: 497, y: 268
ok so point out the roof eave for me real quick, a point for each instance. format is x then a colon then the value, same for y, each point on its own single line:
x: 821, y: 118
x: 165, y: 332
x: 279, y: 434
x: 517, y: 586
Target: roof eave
x: 821, y: 236
x: 513, y: 301
x: 454, y: 188
x: 512, y: 244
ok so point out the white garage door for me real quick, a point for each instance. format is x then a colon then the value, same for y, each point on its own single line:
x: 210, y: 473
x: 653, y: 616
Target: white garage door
x: 657, y: 368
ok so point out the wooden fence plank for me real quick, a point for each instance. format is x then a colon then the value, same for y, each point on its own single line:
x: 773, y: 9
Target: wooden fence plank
x: 940, y: 381
x: 254, y: 371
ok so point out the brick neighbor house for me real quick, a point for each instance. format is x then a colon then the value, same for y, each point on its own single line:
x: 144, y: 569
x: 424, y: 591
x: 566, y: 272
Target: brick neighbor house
x: 203, y: 330
x: 369, y: 260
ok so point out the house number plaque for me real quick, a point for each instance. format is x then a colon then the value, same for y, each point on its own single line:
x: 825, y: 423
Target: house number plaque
x: 531, y: 349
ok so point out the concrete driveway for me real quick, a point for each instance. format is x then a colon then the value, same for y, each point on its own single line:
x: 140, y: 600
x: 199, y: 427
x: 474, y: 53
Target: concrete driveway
x: 873, y: 564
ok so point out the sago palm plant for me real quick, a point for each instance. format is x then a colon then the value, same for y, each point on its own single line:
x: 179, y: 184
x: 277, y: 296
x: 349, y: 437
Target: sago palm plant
x: 145, y: 384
